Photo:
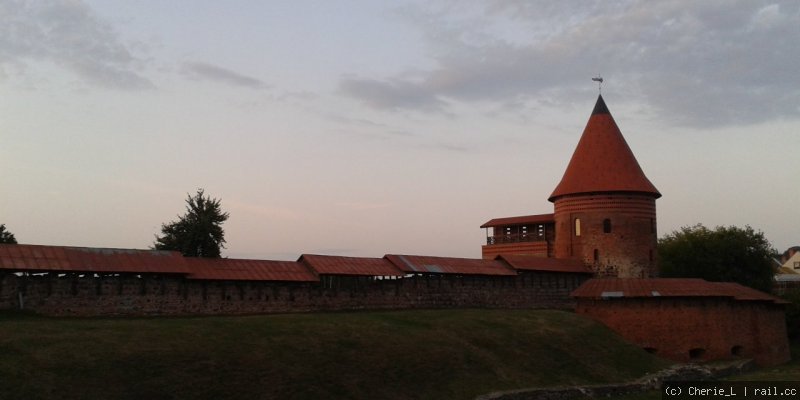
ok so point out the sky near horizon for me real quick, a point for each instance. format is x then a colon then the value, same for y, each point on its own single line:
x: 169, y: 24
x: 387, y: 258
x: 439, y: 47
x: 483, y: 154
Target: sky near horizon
x: 363, y: 128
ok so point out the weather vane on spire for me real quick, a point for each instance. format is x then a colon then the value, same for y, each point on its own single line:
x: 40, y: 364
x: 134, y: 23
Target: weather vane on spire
x: 599, y: 80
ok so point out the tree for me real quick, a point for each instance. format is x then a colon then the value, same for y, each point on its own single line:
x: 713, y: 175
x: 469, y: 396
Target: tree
x: 6, y: 236
x: 725, y: 254
x: 198, y: 233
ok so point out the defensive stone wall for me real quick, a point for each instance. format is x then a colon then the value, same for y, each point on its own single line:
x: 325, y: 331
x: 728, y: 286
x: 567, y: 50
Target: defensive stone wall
x: 134, y: 295
x: 697, y: 329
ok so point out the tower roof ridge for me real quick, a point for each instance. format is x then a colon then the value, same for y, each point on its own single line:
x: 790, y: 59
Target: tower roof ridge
x: 603, y: 161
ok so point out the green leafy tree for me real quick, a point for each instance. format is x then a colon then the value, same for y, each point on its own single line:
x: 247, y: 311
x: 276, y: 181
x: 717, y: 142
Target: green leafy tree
x: 724, y: 254
x: 198, y: 233
x: 6, y: 236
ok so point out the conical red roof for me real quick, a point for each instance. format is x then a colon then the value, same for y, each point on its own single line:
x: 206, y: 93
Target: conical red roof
x: 603, y: 162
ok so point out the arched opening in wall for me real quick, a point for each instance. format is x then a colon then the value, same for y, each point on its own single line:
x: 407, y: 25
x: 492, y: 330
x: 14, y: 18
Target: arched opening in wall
x: 737, y: 350
x: 606, y: 225
x: 697, y: 353
x: 651, y: 350
x: 651, y: 255
x: 577, y: 226
x: 596, y: 255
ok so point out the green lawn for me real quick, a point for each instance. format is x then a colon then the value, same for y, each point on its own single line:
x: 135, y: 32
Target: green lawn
x: 786, y: 372
x: 441, y: 354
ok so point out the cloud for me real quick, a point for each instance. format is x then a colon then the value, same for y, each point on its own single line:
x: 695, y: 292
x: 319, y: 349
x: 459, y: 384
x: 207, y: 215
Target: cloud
x: 392, y: 94
x: 301, y: 96
x: 450, y: 147
x: 709, y: 63
x: 69, y: 35
x: 215, y: 73
x: 355, y: 121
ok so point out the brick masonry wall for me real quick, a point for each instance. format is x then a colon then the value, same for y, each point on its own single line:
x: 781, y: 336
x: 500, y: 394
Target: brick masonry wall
x: 539, y: 248
x: 716, y: 328
x: 628, y: 251
x: 76, y: 295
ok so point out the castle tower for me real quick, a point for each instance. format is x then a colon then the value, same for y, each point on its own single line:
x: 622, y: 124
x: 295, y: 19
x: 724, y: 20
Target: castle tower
x: 605, y: 207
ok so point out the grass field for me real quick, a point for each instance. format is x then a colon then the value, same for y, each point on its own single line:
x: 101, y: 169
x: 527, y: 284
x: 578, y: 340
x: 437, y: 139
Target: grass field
x: 786, y: 372
x: 441, y: 354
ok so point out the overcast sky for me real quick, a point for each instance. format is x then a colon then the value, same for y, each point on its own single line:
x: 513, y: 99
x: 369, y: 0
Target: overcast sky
x: 370, y: 127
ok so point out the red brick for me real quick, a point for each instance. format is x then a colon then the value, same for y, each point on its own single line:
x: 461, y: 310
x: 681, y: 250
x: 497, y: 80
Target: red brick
x: 672, y: 327
x: 627, y: 251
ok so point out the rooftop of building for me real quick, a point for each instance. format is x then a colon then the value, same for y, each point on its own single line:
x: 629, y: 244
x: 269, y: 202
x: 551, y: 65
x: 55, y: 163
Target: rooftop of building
x: 543, y: 264
x: 621, y: 288
x: 448, y: 265
x: 19, y: 258
x: 603, y: 162
x: 357, y: 266
x: 231, y: 269
x: 521, y: 220
x: 28, y: 257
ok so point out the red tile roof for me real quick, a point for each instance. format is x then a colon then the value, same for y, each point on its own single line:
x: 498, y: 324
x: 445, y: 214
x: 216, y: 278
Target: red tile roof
x: 337, y: 265
x: 229, y: 269
x: 741, y: 292
x: 26, y: 257
x: 667, y: 287
x: 534, y: 263
x: 603, y: 161
x: 448, y: 265
x: 521, y: 220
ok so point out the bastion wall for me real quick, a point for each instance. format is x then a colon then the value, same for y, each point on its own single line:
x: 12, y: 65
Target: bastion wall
x: 697, y: 329
x: 140, y: 295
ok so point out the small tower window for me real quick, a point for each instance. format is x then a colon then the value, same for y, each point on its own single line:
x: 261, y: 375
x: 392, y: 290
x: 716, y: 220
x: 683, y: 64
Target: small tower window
x: 606, y: 225
x: 596, y: 255
x: 577, y: 226
x: 652, y: 225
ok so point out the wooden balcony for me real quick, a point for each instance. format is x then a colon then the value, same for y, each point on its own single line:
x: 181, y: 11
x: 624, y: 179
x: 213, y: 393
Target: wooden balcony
x: 515, y: 238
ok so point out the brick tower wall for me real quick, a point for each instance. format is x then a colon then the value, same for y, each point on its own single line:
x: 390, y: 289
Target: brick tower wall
x: 628, y: 250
